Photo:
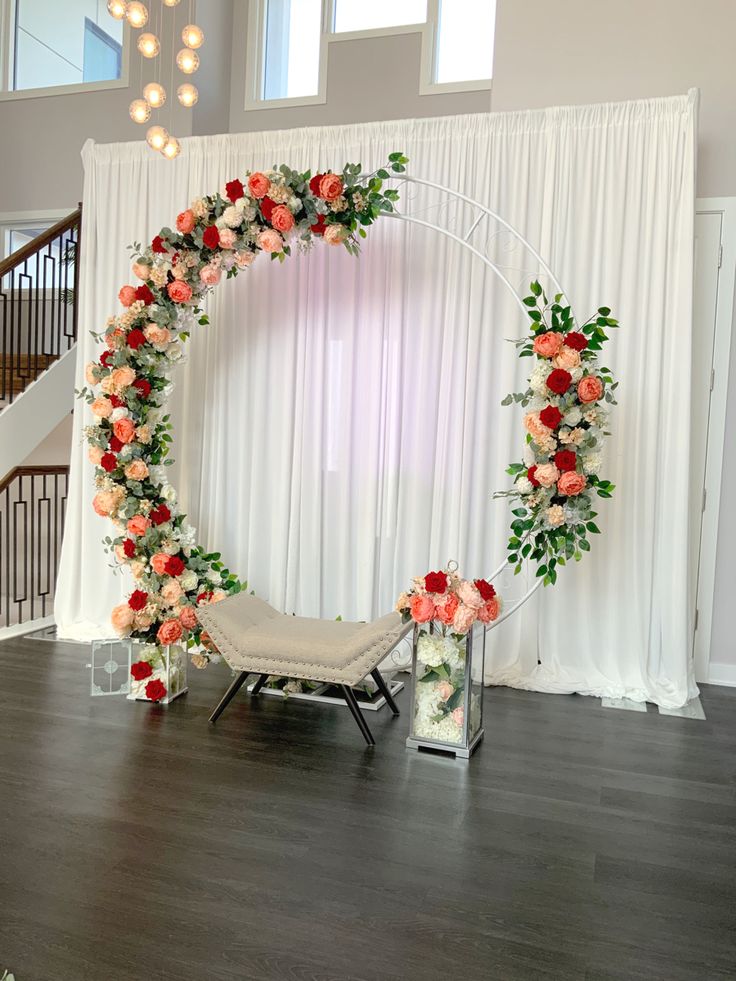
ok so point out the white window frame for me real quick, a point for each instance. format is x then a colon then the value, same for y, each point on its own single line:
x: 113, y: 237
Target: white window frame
x: 256, y: 46
x: 7, y: 34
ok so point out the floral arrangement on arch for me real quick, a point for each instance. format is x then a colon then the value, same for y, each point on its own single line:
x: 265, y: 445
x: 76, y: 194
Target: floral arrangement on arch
x: 455, y: 604
x: 567, y: 401
x: 266, y: 213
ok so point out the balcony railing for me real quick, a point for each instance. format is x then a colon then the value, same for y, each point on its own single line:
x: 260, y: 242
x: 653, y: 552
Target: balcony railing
x: 39, y: 292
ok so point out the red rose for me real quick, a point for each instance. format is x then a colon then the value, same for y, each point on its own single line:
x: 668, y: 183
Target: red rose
x: 211, y: 237
x: 116, y: 444
x: 117, y: 402
x: 565, y: 460
x: 141, y: 670
x: 129, y: 548
x: 104, y: 358
x: 157, y: 245
x: 234, y: 190
x: 267, y: 206
x: 109, y: 462
x: 155, y: 690
x: 136, y: 338
x: 319, y: 227
x: 550, y: 416
x: 174, y: 566
x: 159, y: 515
x: 485, y: 589
x: 575, y: 340
x: 435, y: 582
x: 558, y: 381
x: 204, y: 597
x: 531, y: 476
x: 314, y: 184
x: 144, y: 293
x: 143, y: 387
x: 137, y: 600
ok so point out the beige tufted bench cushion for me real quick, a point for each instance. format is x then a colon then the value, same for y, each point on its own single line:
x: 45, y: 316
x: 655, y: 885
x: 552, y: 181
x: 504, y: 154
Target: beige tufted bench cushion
x: 252, y: 636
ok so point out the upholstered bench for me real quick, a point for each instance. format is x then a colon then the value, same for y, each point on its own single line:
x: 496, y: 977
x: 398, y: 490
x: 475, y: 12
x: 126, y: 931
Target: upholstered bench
x: 254, y: 638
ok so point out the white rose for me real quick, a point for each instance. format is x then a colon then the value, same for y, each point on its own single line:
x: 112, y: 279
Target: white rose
x: 573, y: 417
x: 188, y: 580
x: 231, y: 217
x: 120, y: 413
x: 169, y: 494
x: 174, y: 351
x: 294, y: 204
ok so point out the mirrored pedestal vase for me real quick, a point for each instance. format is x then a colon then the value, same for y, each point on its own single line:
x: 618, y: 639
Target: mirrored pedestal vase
x: 109, y: 667
x: 447, y: 689
x: 157, y: 674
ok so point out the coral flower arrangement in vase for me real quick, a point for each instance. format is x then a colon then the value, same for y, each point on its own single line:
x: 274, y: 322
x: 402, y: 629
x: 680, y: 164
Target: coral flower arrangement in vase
x: 450, y: 616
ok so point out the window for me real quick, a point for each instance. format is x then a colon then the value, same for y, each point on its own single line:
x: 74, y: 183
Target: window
x: 66, y: 43
x: 292, y: 48
x: 357, y: 15
x: 462, y: 54
x: 56, y: 268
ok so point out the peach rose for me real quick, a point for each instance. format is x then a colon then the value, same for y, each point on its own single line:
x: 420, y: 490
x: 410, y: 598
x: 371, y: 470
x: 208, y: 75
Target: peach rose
x: 158, y: 563
x: 489, y: 611
x: 464, y: 618
x: 244, y: 258
x: 169, y: 632
x: 185, y: 222
x: 179, y: 291
x: 535, y: 427
x: 95, y: 454
x: 335, y: 234
x: 422, y: 609
x: 590, y: 388
x: 446, y: 611
x: 143, y: 621
x: 210, y: 275
x: 570, y: 483
x: 548, y: 344
x: 122, y: 378
x: 469, y: 595
x: 136, y: 470
x: 282, y: 219
x: 120, y: 554
x: 124, y: 429
x: 142, y: 270
x: 172, y: 592
x: 270, y: 241
x: 143, y: 433
x: 258, y: 184
x: 105, y: 502
x: 106, y: 384
x: 188, y: 618
x: 330, y: 187
x: 89, y: 373
x: 555, y: 516
x: 458, y: 715
x: 122, y: 618
x: 444, y: 690
x: 138, y: 524
x: 228, y: 238
x: 547, y: 474
x: 138, y: 567
x: 158, y: 336
x: 127, y: 295
x: 568, y: 358
x: 102, y: 408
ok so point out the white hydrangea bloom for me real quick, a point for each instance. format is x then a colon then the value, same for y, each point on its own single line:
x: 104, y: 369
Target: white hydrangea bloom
x: 524, y: 485
x: 592, y: 462
x: 188, y: 580
x: 119, y: 413
x: 231, y: 217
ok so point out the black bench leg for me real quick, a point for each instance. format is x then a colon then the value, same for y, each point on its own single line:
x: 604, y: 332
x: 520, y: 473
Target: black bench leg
x: 259, y: 684
x: 384, y: 690
x: 357, y: 714
x: 232, y: 691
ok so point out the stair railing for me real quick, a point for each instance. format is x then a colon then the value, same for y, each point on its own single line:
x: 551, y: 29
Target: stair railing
x: 39, y: 305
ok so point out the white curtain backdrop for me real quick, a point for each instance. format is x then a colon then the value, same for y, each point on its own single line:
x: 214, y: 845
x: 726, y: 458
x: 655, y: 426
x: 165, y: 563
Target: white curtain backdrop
x: 338, y: 426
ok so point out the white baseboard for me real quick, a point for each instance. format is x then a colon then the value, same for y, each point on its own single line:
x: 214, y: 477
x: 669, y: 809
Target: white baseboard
x: 722, y: 674
x: 29, y: 626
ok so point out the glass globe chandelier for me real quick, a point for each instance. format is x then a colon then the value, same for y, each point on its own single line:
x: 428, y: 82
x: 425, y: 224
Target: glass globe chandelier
x: 187, y: 94
x: 117, y: 8
x: 171, y: 149
x: 187, y: 61
x: 192, y: 36
x: 139, y: 111
x: 136, y: 14
x: 157, y: 137
x: 149, y: 45
x: 155, y: 95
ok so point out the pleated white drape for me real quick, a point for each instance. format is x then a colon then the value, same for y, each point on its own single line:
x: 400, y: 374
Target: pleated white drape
x: 338, y: 427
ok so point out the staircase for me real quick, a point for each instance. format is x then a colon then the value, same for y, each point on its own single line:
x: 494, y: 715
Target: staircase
x: 39, y: 290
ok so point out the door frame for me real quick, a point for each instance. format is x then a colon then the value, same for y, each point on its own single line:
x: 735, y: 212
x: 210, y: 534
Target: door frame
x: 715, y: 448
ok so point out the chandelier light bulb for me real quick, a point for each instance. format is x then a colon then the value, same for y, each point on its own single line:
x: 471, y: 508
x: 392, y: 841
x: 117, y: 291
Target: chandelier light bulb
x: 116, y: 8
x: 157, y: 137
x: 140, y: 111
x: 170, y: 3
x: 192, y: 36
x: 155, y: 95
x: 148, y: 45
x: 187, y: 94
x: 136, y: 13
x: 171, y: 149
x: 187, y: 61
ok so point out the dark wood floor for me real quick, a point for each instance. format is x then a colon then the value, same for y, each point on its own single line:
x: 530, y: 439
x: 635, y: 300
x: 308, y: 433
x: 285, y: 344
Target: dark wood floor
x: 139, y: 844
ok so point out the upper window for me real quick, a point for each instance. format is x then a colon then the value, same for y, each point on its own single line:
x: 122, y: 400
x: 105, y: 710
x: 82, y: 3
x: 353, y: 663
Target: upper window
x: 357, y: 15
x: 66, y: 43
x: 293, y: 31
x: 462, y: 54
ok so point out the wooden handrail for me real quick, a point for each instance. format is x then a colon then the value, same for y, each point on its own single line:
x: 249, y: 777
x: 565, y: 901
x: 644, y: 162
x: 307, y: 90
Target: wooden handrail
x: 41, y: 470
x: 45, y: 238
